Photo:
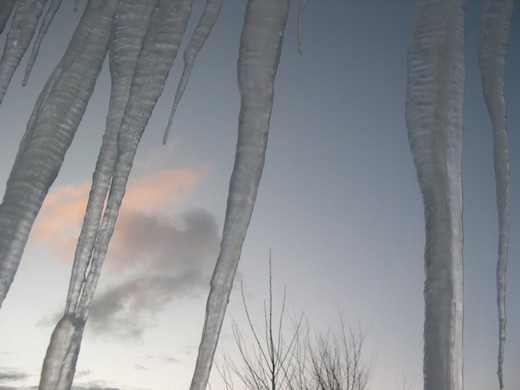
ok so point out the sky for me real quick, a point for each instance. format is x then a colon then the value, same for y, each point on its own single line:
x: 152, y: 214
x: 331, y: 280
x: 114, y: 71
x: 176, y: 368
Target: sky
x: 339, y: 208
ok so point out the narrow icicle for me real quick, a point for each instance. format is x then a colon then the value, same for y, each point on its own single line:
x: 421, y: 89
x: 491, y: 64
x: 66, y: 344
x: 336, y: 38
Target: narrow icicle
x: 159, y: 47
x: 5, y: 13
x: 434, y: 112
x: 19, y: 37
x: 199, y: 37
x: 47, y: 20
x: 301, y: 9
x: 76, y: 5
x: 49, y: 132
x: 129, y: 28
x: 167, y: 26
x: 494, y: 33
x: 260, y: 47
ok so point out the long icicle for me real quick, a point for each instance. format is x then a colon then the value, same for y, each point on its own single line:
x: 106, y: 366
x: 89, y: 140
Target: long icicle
x: 128, y: 30
x: 260, y: 47
x: 90, y: 41
x: 160, y: 44
x: 199, y: 37
x: 434, y: 118
x: 50, y: 130
x: 25, y: 20
x: 494, y: 33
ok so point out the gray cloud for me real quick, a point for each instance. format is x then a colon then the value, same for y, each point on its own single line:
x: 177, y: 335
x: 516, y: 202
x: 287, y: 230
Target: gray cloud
x: 74, y: 387
x: 7, y: 374
x: 162, y: 259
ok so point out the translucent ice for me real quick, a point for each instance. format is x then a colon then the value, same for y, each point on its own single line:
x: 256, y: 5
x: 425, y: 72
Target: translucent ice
x: 494, y: 33
x: 260, y: 47
x: 434, y: 110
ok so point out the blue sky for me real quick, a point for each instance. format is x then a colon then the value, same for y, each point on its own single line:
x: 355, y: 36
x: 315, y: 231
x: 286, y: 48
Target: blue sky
x: 338, y: 205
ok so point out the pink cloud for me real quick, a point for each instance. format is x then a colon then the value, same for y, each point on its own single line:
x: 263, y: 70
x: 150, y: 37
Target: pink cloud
x: 59, y: 222
x: 165, y: 189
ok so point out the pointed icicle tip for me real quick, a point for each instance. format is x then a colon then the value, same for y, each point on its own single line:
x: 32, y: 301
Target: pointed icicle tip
x: 199, y: 37
x: 301, y: 9
x: 47, y: 20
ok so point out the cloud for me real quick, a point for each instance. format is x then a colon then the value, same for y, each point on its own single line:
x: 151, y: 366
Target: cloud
x: 164, y: 261
x: 10, y: 375
x: 155, y: 255
x: 93, y: 387
x: 59, y: 222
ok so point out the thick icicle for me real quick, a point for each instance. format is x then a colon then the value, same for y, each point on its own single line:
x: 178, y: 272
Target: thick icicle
x: 5, y: 13
x: 434, y: 112
x: 494, y: 33
x: 62, y: 355
x: 47, y: 20
x: 201, y: 33
x: 49, y: 132
x: 260, y: 48
x: 129, y: 28
x: 19, y: 37
x: 159, y: 47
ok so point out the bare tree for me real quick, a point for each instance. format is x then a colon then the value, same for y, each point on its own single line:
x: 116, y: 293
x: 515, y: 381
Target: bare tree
x: 270, y: 361
x: 267, y: 362
x: 336, y: 359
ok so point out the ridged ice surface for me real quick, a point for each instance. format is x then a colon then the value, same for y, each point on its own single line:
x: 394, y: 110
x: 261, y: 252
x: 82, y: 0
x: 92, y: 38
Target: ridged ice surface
x: 145, y: 61
x: 25, y: 21
x: 494, y: 33
x: 49, y: 132
x: 434, y: 111
x: 62, y: 355
x: 160, y: 44
x: 128, y: 30
x: 260, y: 47
x: 77, y: 71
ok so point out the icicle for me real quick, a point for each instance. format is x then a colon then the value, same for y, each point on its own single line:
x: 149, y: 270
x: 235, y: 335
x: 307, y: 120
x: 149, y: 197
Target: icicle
x: 301, y: 9
x: 260, y: 47
x: 494, y: 33
x: 62, y: 354
x: 201, y: 33
x: 5, y: 13
x: 49, y: 132
x: 167, y: 26
x: 434, y: 112
x: 76, y: 5
x: 159, y: 47
x: 47, y: 20
x: 129, y: 28
x: 22, y: 29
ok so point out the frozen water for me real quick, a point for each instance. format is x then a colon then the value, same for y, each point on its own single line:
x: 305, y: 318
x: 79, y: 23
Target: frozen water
x: 494, y: 33
x: 199, y: 37
x: 260, y: 47
x: 49, y: 132
x: 434, y: 106
x: 47, y: 20
x: 22, y: 29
